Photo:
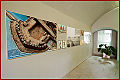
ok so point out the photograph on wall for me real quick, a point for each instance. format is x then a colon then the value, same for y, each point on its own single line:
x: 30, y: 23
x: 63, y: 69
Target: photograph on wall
x: 59, y: 44
x: 28, y: 35
x: 63, y: 44
x: 87, y: 37
x: 81, y: 37
x: 73, y: 37
x: 62, y: 28
x: 62, y: 35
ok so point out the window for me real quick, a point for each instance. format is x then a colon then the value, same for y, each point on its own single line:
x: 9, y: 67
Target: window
x: 104, y: 37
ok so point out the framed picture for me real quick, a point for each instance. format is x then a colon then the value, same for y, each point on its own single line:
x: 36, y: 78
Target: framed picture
x: 62, y: 28
x: 82, y: 32
x: 59, y: 44
x: 73, y: 37
x: 63, y: 44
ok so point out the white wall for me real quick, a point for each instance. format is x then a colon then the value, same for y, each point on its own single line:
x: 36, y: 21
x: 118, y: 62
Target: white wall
x: 95, y: 39
x: 109, y: 20
x: 54, y: 64
x: 114, y: 39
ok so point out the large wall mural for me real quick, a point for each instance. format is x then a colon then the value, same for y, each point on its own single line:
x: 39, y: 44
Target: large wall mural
x: 28, y: 35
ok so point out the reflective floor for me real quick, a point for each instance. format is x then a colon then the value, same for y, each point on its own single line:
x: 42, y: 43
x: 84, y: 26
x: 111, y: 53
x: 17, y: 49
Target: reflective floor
x: 96, y: 67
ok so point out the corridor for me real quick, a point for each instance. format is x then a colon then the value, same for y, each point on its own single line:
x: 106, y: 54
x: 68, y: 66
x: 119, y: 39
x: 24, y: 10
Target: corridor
x: 96, y: 67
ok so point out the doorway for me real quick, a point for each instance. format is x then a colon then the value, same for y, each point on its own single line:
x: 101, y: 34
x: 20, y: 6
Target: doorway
x: 104, y: 36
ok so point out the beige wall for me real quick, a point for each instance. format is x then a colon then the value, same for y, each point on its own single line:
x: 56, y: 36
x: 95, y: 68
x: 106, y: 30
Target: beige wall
x: 54, y: 64
x: 95, y: 37
x: 109, y: 20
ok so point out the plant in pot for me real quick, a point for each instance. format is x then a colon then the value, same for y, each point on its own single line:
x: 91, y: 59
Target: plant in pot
x: 107, y: 50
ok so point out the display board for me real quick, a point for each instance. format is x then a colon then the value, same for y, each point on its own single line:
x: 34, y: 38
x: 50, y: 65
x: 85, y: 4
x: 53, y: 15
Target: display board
x: 87, y: 37
x: 73, y: 37
x: 28, y: 35
x: 62, y: 33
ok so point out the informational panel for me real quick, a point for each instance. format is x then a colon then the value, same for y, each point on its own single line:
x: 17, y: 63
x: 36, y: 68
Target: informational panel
x: 62, y: 36
x: 28, y: 35
x: 73, y: 37
x: 87, y: 37
x: 81, y: 37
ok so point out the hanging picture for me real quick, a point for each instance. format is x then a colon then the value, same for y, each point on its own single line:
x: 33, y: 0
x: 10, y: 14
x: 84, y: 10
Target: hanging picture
x: 77, y: 31
x: 87, y: 37
x: 62, y: 28
x: 81, y: 37
x: 61, y: 44
x: 73, y: 37
x: 28, y: 35
x: 82, y: 32
x: 62, y: 35
x: 81, y: 40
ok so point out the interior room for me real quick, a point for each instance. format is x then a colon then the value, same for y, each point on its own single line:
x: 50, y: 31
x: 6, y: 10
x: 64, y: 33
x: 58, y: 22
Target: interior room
x: 60, y: 39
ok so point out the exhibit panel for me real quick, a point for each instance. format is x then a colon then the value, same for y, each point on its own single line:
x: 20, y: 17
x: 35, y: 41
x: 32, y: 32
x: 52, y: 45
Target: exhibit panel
x: 73, y: 37
x: 28, y: 35
x: 62, y: 33
x: 76, y: 37
x: 87, y: 37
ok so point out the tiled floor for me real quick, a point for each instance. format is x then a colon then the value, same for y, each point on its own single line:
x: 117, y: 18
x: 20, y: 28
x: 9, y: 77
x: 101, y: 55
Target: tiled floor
x: 96, y: 67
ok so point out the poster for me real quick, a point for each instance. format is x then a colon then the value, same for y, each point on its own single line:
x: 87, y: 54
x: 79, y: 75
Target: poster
x: 73, y: 37
x: 81, y: 37
x: 62, y: 28
x: 62, y: 35
x: 28, y: 35
x: 61, y: 44
x: 87, y: 37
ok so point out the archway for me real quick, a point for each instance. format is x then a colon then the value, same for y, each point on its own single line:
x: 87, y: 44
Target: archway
x: 104, y: 36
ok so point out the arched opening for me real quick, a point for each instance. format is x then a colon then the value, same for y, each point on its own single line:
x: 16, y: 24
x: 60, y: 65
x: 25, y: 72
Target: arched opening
x: 104, y: 36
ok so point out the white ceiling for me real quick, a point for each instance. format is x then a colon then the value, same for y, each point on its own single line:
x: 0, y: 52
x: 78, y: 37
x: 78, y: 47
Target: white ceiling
x: 86, y: 12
